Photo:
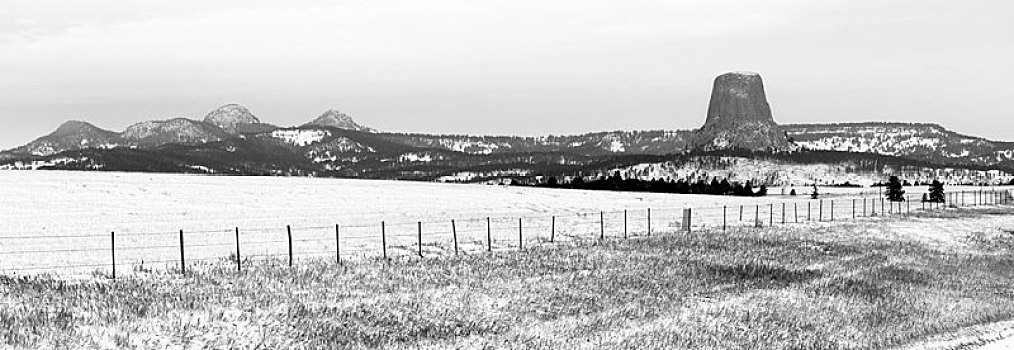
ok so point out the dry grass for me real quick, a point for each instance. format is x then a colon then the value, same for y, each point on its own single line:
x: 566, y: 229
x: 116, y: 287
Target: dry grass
x: 792, y: 287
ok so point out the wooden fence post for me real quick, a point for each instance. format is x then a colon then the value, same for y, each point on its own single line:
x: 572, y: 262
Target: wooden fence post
x: 832, y: 210
x: 724, y: 208
x: 112, y: 250
x: 624, y: 224
x: 337, y: 244
x: 454, y: 231
x: 239, y: 259
x: 688, y: 214
x: 602, y: 225
x: 289, y: 230
x: 853, y: 208
x: 420, y: 239
x: 383, y: 238
x: 808, y: 216
x: 783, y: 213
x: 183, y: 260
x: 795, y: 212
x: 771, y: 214
x: 820, y: 211
x: 741, y: 212
x: 649, y: 221
x: 489, y: 235
x: 756, y: 216
x: 552, y: 230
x: 521, y: 236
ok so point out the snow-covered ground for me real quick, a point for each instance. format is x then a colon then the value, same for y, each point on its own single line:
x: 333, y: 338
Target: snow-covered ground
x: 55, y: 218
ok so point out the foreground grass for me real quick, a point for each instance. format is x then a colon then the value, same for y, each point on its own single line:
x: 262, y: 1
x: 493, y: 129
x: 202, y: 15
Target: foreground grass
x: 776, y: 288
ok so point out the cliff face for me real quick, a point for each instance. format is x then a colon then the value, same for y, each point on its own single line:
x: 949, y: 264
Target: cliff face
x: 739, y: 116
x: 737, y: 97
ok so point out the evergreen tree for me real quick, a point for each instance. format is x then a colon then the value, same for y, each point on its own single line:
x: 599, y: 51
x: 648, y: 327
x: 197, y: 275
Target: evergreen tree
x: 793, y: 192
x: 895, y: 193
x: 724, y: 188
x: 815, y: 194
x: 682, y: 187
x: 763, y: 191
x: 747, y: 189
x: 577, y: 182
x: 551, y: 182
x: 936, y: 194
x: 700, y: 187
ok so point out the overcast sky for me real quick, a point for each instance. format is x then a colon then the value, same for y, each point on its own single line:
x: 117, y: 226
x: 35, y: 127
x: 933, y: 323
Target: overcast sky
x: 529, y: 67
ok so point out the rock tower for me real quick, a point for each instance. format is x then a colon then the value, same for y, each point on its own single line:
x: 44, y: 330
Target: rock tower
x: 739, y: 116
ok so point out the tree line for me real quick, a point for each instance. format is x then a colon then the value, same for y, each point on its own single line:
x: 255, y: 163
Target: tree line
x: 681, y: 186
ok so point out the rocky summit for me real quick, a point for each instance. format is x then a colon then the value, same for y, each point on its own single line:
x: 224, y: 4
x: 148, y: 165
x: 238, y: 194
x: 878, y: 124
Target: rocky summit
x: 739, y: 116
x: 231, y: 118
x: 336, y: 119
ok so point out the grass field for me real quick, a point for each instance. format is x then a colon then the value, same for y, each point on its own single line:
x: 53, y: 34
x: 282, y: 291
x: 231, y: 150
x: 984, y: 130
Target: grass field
x: 869, y: 284
x: 61, y: 221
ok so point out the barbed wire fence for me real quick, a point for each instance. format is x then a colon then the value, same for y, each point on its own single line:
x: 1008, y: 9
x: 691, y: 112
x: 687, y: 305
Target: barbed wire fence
x: 107, y: 254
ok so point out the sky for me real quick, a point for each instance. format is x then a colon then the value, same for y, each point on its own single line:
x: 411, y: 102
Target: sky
x: 525, y: 67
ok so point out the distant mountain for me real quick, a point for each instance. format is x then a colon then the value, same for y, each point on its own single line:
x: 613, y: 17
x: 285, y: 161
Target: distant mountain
x: 231, y: 140
x: 599, y: 143
x: 924, y: 141
x: 173, y: 131
x: 231, y: 117
x: 72, y: 135
x: 335, y: 119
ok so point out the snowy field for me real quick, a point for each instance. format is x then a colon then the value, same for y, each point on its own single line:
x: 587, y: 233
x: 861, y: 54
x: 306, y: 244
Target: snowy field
x: 62, y: 221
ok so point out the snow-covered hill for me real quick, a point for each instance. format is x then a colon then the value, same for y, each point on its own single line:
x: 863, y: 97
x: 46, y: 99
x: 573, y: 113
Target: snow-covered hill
x: 71, y: 135
x: 336, y: 119
x: 919, y: 141
x: 231, y: 118
x: 173, y: 131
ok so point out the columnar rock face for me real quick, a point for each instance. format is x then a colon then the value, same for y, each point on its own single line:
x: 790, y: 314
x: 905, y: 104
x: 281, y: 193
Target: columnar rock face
x: 739, y: 116
x: 737, y: 97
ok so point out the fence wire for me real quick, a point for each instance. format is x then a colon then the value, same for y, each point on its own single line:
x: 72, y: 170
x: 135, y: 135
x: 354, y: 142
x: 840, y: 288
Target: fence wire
x: 103, y: 252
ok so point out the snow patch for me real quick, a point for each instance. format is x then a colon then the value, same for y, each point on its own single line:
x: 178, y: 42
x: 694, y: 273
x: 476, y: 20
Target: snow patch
x: 416, y: 157
x: 300, y: 137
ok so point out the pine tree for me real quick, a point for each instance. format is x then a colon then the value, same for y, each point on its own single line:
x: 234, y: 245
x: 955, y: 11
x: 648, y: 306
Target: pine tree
x: 936, y: 194
x: 724, y: 187
x: 577, y: 182
x: 895, y: 193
